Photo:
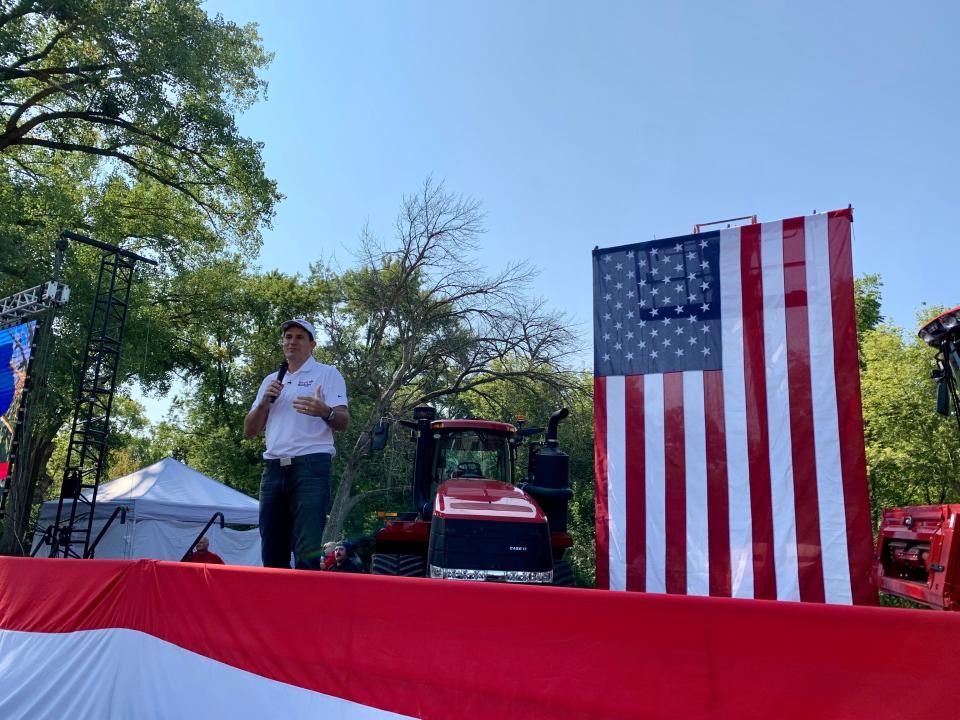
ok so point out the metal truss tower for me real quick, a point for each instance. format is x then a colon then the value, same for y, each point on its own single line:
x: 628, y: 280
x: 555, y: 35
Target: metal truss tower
x: 87, y: 448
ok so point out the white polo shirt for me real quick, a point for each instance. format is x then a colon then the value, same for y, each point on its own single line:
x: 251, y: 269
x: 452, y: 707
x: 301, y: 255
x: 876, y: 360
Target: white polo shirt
x: 291, y: 434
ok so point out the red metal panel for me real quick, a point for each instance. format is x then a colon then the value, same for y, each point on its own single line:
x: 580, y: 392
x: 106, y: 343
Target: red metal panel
x: 486, y: 500
x: 917, y: 554
x: 490, y: 425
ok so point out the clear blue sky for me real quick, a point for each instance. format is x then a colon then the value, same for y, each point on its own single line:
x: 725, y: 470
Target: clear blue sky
x: 583, y: 124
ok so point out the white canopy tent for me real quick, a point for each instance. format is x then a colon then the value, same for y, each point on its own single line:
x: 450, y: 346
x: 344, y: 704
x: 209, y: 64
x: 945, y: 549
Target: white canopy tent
x: 167, y: 505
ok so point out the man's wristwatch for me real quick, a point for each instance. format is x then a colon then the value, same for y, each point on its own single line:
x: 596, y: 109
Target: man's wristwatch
x: 330, y: 415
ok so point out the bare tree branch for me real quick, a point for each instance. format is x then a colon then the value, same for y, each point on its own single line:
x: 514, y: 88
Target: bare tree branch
x: 34, y: 101
x: 422, y: 321
x: 45, y: 74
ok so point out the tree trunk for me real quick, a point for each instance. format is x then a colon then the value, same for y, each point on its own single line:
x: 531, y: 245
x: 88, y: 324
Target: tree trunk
x: 342, y: 499
x: 16, y: 523
x: 341, y: 504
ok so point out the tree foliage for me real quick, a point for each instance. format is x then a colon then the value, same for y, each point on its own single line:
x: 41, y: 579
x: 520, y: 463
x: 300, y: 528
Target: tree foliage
x: 867, y: 293
x: 414, y: 321
x: 150, y: 89
x: 913, y: 454
x: 421, y: 322
x: 234, y: 343
x: 117, y: 121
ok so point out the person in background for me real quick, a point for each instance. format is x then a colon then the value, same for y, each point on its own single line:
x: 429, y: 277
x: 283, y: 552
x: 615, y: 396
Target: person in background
x: 344, y: 560
x: 329, y: 557
x: 202, y: 554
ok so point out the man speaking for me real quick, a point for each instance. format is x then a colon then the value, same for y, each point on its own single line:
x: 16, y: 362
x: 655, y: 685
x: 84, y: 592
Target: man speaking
x: 299, y: 406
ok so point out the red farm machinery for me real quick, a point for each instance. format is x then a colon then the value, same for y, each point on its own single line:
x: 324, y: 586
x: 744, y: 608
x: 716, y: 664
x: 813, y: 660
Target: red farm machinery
x: 470, y: 521
x: 917, y: 554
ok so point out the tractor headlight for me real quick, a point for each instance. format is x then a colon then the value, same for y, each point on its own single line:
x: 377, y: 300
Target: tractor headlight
x: 511, y: 576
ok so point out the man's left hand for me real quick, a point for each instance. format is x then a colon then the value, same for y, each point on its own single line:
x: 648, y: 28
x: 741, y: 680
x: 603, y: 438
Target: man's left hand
x: 310, y: 405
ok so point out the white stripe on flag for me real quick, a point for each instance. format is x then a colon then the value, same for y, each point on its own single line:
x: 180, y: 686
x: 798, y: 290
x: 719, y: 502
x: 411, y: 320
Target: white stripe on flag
x: 778, y: 413
x: 617, y: 481
x: 126, y: 673
x: 695, y: 461
x: 735, y: 416
x: 655, y: 483
x: 826, y: 430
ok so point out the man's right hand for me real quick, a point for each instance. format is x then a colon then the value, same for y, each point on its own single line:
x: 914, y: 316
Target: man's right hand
x: 256, y: 420
x: 272, y: 391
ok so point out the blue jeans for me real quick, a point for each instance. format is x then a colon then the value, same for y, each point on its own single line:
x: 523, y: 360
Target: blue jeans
x: 293, y: 511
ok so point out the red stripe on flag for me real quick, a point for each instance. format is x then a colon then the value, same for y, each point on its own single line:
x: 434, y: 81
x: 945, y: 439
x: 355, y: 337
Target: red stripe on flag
x: 805, y: 500
x: 636, y: 498
x: 758, y: 434
x: 718, y: 503
x: 600, y: 463
x: 675, y: 490
x: 849, y: 410
x: 846, y: 212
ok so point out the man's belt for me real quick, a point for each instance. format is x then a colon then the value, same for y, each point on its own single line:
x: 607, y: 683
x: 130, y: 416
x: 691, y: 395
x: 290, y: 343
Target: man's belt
x: 298, y: 460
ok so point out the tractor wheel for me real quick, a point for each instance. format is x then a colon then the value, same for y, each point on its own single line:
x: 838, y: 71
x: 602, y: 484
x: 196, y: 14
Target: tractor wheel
x: 563, y: 574
x: 402, y: 565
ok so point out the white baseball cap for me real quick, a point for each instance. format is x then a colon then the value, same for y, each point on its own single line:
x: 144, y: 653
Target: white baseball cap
x: 305, y: 324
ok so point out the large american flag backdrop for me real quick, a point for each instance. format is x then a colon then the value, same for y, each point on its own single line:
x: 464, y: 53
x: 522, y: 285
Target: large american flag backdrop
x: 728, y: 426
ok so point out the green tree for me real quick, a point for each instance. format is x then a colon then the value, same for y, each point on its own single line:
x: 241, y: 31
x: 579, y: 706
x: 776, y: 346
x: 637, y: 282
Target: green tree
x: 867, y: 300
x: 913, y: 454
x: 148, y: 88
x: 116, y: 120
x: 420, y: 321
x: 413, y: 323
x: 130, y: 447
x: 234, y: 343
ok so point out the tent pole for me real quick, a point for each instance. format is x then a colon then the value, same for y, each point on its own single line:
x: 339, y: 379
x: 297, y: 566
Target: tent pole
x: 133, y: 534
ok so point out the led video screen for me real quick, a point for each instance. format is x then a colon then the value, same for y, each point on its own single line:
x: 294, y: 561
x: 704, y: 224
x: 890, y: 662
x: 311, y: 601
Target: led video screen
x: 15, y: 344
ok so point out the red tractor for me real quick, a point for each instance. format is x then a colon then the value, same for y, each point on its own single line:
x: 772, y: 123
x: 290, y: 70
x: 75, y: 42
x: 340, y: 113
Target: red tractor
x: 918, y: 548
x: 470, y: 522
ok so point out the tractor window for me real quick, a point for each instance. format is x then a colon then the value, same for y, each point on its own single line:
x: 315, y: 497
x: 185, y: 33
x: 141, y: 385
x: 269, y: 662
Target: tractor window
x: 472, y: 454
x: 954, y: 353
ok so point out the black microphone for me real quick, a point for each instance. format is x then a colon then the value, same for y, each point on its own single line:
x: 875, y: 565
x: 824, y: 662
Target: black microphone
x: 280, y: 373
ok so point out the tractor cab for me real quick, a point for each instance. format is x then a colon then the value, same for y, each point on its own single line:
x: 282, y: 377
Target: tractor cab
x: 470, y: 521
x: 472, y: 449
